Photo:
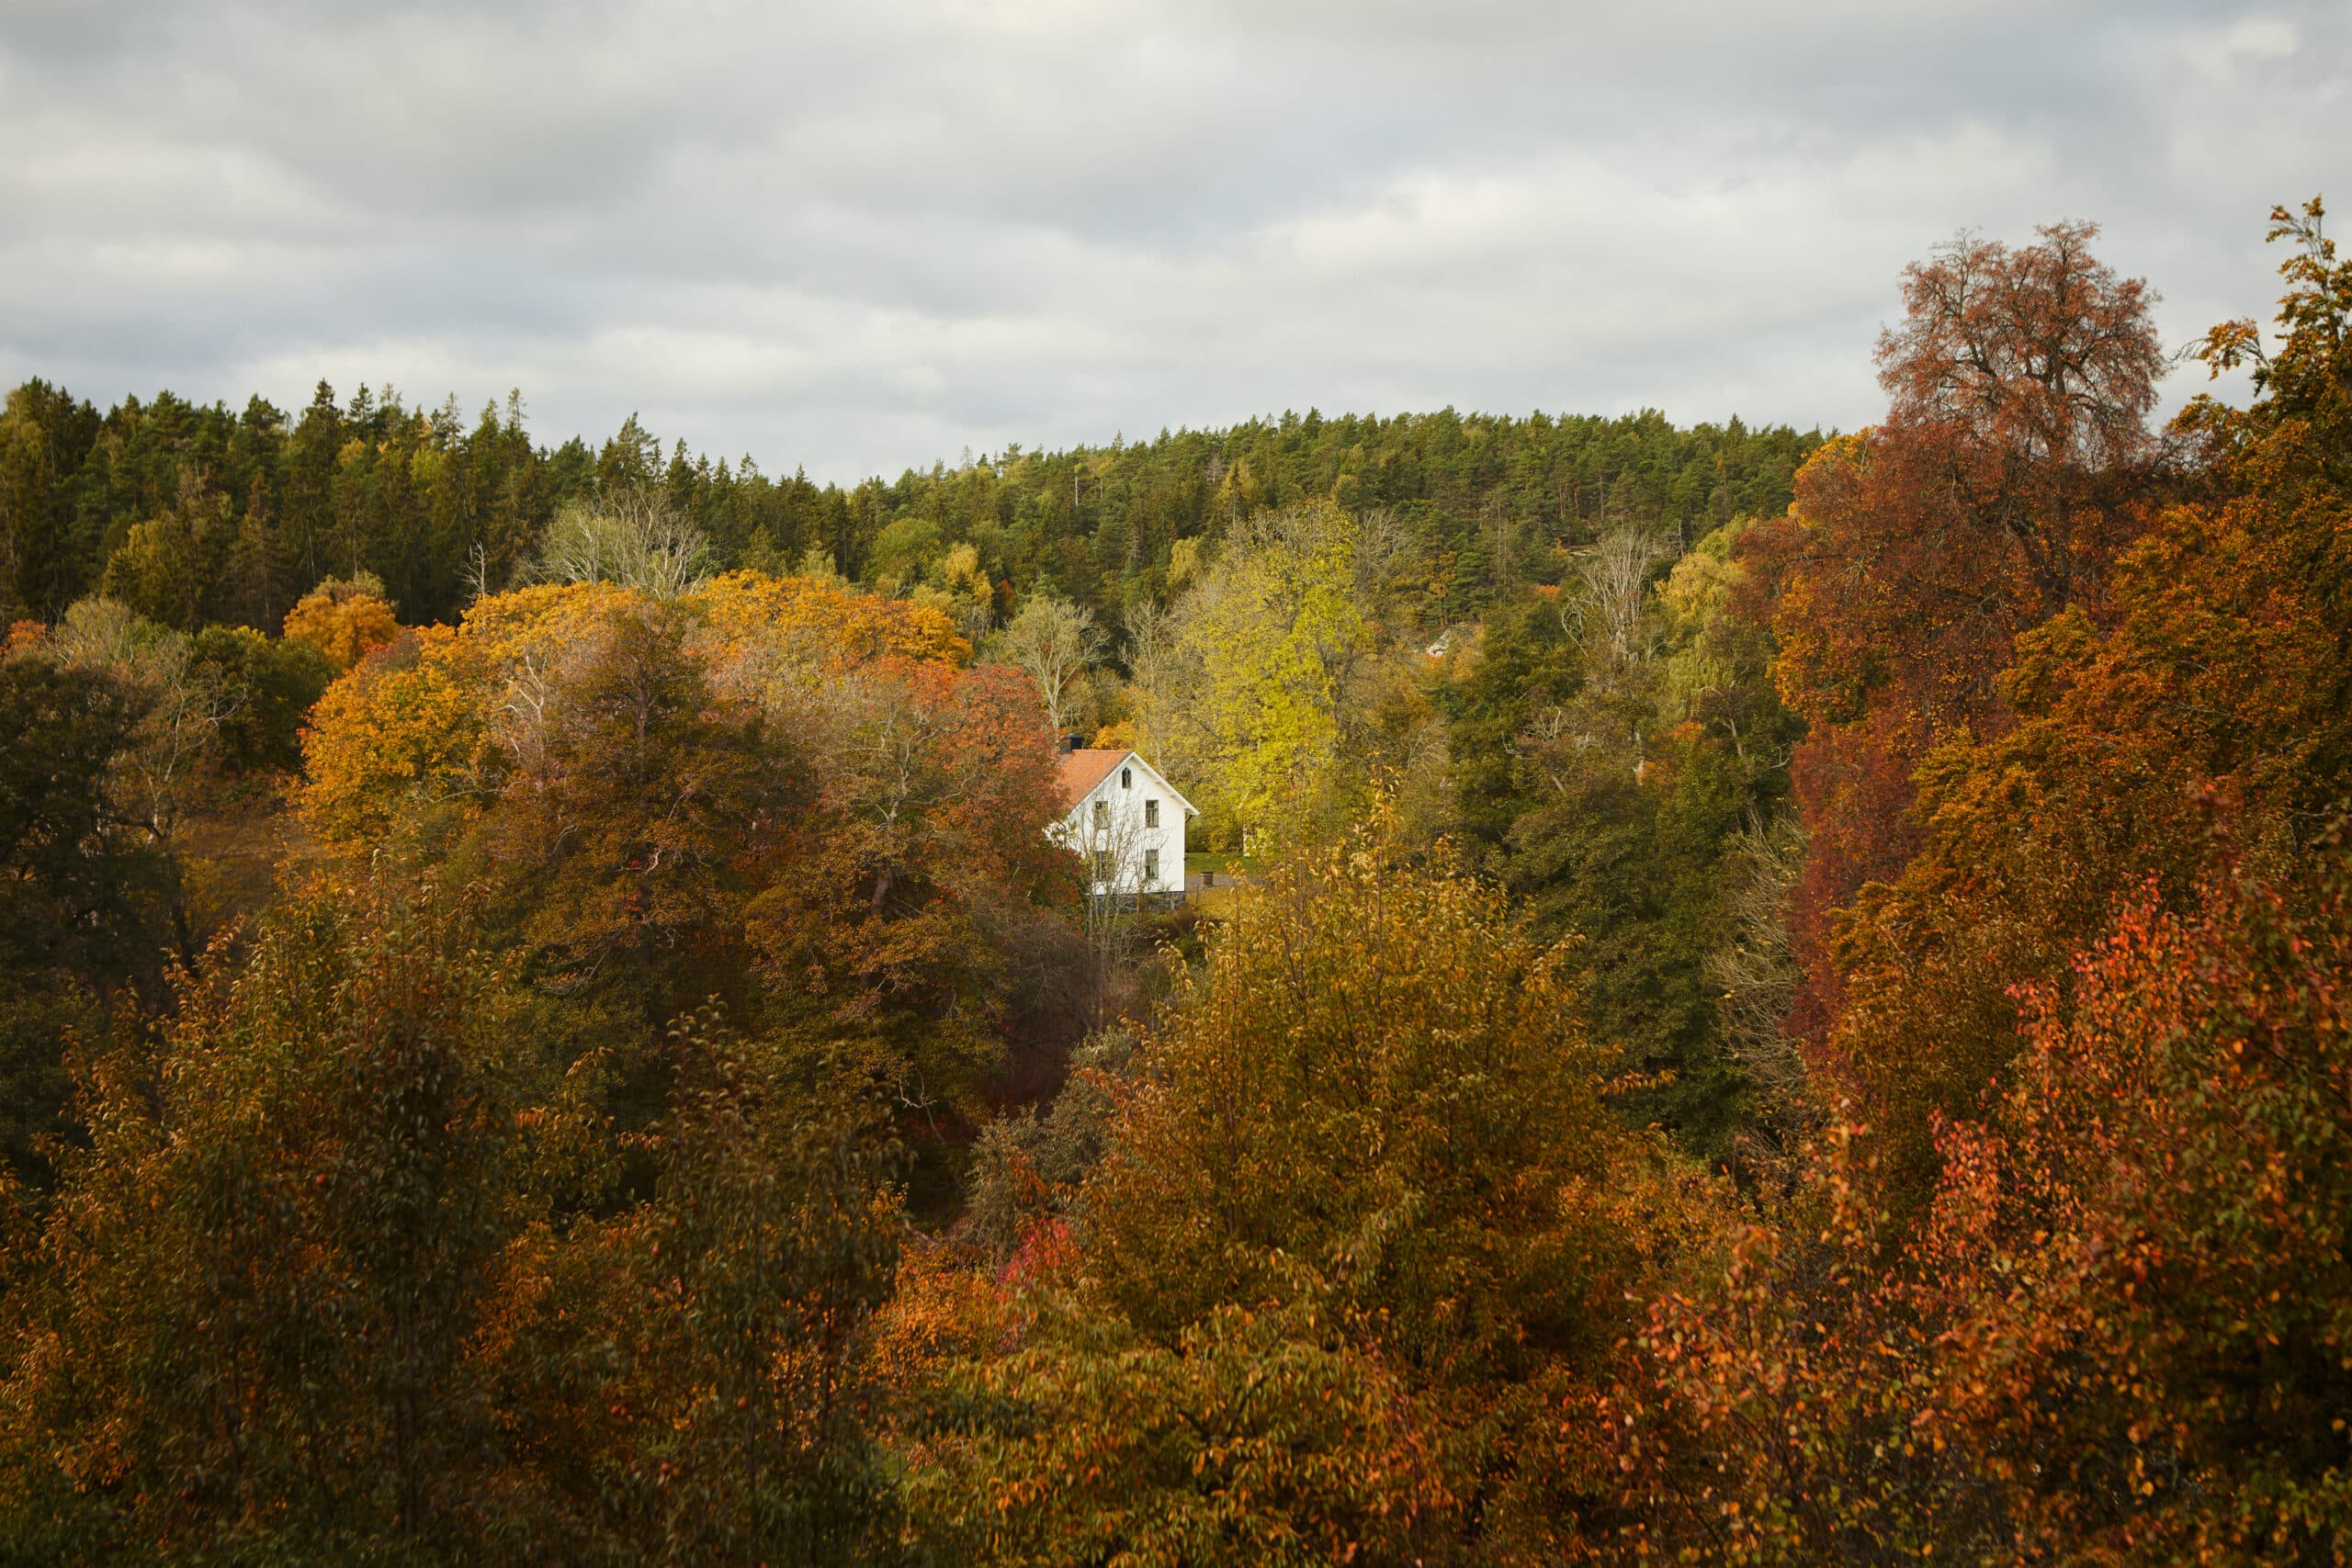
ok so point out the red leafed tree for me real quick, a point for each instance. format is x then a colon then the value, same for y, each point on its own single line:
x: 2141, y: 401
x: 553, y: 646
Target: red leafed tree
x: 2138, y: 1256
x: 2014, y: 464
x: 2207, y: 679
x: 2120, y: 1334
x: 2075, y: 1290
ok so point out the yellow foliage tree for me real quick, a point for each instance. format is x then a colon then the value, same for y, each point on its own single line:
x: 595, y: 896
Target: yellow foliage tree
x: 383, y: 736
x: 1264, y: 642
x: 825, y: 620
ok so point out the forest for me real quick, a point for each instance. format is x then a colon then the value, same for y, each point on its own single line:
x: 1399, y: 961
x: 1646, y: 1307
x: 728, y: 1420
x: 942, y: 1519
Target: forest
x: 1789, y: 999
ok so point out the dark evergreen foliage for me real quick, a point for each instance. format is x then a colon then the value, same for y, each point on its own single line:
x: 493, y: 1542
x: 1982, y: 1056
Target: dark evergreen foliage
x: 266, y: 504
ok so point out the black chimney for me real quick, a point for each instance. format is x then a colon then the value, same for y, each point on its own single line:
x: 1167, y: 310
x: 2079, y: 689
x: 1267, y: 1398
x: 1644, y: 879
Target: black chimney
x: 1069, y: 743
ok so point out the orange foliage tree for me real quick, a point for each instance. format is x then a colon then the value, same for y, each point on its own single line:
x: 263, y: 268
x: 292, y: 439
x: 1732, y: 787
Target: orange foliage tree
x: 344, y: 618
x: 2120, y: 1333
x: 2208, y: 679
x: 782, y: 792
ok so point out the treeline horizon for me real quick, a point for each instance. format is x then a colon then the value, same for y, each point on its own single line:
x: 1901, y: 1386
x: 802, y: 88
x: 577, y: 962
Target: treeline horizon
x: 259, y: 504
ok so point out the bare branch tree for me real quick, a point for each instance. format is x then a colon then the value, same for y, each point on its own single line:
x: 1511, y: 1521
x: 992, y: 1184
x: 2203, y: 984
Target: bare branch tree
x: 1109, y: 843
x: 636, y: 537
x: 1055, y: 643
x: 1754, y: 973
x: 1387, y: 559
x: 477, y: 573
x: 184, y: 710
x: 1611, y: 609
x: 1156, y: 677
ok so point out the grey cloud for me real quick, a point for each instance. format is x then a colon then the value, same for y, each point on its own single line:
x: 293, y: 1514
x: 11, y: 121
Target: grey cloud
x: 860, y: 237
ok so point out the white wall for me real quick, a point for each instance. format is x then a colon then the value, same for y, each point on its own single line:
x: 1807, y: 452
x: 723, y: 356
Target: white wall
x: 1125, y: 836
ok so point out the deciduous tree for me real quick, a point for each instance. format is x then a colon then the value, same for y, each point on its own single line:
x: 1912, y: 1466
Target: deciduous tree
x: 345, y: 618
x: 2013, y: 465
x: 1356, y: 1255
x: 259, y: 1282
x: 1056, y: 644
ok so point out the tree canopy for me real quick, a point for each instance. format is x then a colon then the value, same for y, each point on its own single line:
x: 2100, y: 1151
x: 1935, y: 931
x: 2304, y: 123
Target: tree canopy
x: 1767, y: 999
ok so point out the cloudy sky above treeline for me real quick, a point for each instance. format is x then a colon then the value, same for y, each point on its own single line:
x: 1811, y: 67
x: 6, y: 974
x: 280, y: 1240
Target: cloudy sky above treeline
x: 862, y: 236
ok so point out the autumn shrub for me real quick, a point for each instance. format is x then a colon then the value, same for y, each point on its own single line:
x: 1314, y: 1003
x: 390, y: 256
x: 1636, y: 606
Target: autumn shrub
x: 2121, y: 1333
x: 1029, y: 1164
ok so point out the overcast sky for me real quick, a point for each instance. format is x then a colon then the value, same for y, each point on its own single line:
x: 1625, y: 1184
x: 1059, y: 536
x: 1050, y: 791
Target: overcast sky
x: 865, y: 235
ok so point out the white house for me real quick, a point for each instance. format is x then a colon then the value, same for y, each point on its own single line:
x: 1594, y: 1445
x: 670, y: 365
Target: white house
x: 1126, y: 818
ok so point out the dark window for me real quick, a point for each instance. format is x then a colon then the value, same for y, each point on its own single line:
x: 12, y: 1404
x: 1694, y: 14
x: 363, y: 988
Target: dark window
x: 1102, y: 814
x: 1151, y: 814
x: 1126, y: 778
x: 1151, y: 865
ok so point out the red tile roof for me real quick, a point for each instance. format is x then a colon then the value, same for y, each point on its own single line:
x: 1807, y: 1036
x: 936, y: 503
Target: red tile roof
x: 1079, y: 771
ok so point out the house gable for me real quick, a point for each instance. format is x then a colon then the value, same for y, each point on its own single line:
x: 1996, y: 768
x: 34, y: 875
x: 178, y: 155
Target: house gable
x: 1083, y: 774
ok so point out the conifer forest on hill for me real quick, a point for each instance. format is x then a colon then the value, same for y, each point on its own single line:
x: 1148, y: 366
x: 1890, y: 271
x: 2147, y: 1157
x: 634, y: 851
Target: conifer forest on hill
x: 1790, y: 998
